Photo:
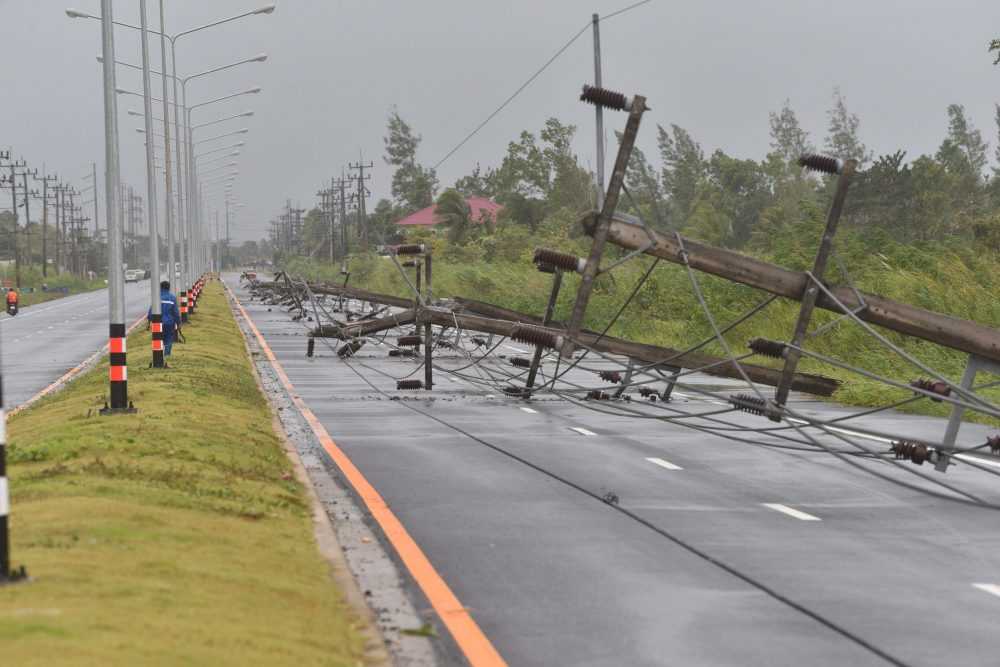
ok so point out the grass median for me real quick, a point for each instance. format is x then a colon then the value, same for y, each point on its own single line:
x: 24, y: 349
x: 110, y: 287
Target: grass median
x: 175, y: 536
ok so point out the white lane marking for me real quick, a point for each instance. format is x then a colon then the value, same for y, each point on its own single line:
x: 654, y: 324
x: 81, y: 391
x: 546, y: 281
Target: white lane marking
x: 992, y: 589
x: 529, y: 411
x: 519, y: 351
x: 791, y: 511
x: 581, y: 430
x: 663, y: 463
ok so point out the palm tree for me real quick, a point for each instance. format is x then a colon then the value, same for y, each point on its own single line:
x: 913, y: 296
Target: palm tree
x: 453, y: 212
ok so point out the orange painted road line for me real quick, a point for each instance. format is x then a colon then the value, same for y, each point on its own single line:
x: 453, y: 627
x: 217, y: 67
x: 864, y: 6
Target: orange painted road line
x: 68, y: 375
x: 478, y: 649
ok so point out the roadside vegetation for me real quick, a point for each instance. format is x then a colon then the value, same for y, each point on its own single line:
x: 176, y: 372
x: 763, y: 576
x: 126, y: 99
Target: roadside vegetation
x: 32, y: 281
x: 920, y: 229
x: 175, y: 536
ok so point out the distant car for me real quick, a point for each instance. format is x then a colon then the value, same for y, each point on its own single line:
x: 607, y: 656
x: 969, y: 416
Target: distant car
x: 134, y: 275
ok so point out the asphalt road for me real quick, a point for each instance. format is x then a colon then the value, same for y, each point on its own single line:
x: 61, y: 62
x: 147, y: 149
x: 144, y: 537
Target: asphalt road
x: 725, y: 554
x: 44, y: 341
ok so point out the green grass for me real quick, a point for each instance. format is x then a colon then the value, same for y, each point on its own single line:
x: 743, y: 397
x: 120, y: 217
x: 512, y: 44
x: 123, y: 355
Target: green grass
x: 175, y: 536
x: 31, y: 277
x: 953, y: 279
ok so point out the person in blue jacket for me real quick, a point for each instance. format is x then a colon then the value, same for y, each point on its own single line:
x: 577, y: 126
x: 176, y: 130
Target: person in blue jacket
x: 170, y: 316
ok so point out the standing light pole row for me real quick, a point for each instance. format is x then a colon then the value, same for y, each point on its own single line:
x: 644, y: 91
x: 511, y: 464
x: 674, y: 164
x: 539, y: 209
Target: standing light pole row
x: 188, y: 213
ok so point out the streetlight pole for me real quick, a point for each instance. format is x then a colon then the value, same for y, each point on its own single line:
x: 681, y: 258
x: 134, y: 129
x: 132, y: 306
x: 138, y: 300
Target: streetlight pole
x: 183, y: 188
x: 155, y: 318
x: 118, y: 375
x: 171, y: 224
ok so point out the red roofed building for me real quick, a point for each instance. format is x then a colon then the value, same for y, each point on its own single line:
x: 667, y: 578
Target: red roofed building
x: 479, y: 208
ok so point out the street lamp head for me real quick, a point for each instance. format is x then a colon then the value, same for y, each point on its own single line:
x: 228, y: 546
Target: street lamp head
x: 100, y: 58
x: 255, y: 90
x: 267, y: 9
x: 140, y: 130
x: 259, y: 58
x: 246, y: 114
x: 133, y: 112
x: 243, y: 131
x: 74, y: 14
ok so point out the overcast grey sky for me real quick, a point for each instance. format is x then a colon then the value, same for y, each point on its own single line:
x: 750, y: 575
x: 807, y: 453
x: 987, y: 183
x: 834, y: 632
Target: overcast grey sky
x: 336, y: 67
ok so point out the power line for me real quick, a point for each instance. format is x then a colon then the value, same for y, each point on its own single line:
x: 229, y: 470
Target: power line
x: 530, y: 79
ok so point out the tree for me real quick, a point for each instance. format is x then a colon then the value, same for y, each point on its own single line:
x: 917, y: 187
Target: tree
x: 315, y: 232
x: 996, y: 155
x: 382, y: 222
x: 963, y: 151
x: 453, y: 212
x: 645, y: 194
x: 477, y: 184
x: 742, y: 192
x: 682, y: 172
x: 788, y: 140
x: 842, y: 140
x: 413, y: 186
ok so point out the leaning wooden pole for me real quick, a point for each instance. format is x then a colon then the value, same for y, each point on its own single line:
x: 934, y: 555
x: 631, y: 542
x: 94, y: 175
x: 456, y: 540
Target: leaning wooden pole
x: 952, y: 332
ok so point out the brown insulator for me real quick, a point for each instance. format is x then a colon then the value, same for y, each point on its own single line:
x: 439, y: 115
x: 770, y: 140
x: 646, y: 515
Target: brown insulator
x: 914, y: 451
x: 933, y: 386
x: 348, y: 349
x: 534, y: 336
x: 823, y: 163
x: 560, y: 260
x: 402, y: 353
x: 479, y: 341
x: 511, y: 390
x: 410, y: 263
x: 545, y: 268
x: 648, y: 393
x: 753, y: 405
x: 994, y: 442
x: 603, y: 97
x: 409, y: 341
x: 520, y: 362
x: 410, y: 249
x: 767, y: 348
x: 445, y: 345
x: 409, y: 384
x: 310, y: 347
x: 613, y: 377
x: 597, y: 395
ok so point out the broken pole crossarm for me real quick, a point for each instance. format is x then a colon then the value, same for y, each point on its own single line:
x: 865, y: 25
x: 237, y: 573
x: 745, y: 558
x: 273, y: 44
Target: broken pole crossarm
x: 952, y: 332
x: 811, y: 292
x: 636, y: 109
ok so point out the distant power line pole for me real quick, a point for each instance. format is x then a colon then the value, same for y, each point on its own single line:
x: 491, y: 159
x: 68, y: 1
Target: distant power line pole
x: 45, y: 221
x: 361, y: 195
x: 343, y: 216
x: 28, y: 194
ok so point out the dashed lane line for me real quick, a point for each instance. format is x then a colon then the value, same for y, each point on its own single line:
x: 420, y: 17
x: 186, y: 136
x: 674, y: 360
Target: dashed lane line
x: 530, y: 411
x: 791, y: 511
x: 581, y: 430
x: 663, y: 463
x: 992, y: 589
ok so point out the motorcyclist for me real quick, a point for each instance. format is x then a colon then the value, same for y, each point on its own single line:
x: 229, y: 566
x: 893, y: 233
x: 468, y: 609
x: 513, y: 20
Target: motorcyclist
x: 12, y: 299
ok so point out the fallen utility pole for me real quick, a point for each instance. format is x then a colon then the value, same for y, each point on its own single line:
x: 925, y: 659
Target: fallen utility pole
x: 650, y: 354
x: 944, y: 330
x: 504, y: 322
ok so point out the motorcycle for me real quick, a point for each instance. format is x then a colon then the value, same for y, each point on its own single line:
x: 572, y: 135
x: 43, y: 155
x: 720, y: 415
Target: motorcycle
x: 12, y: 309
